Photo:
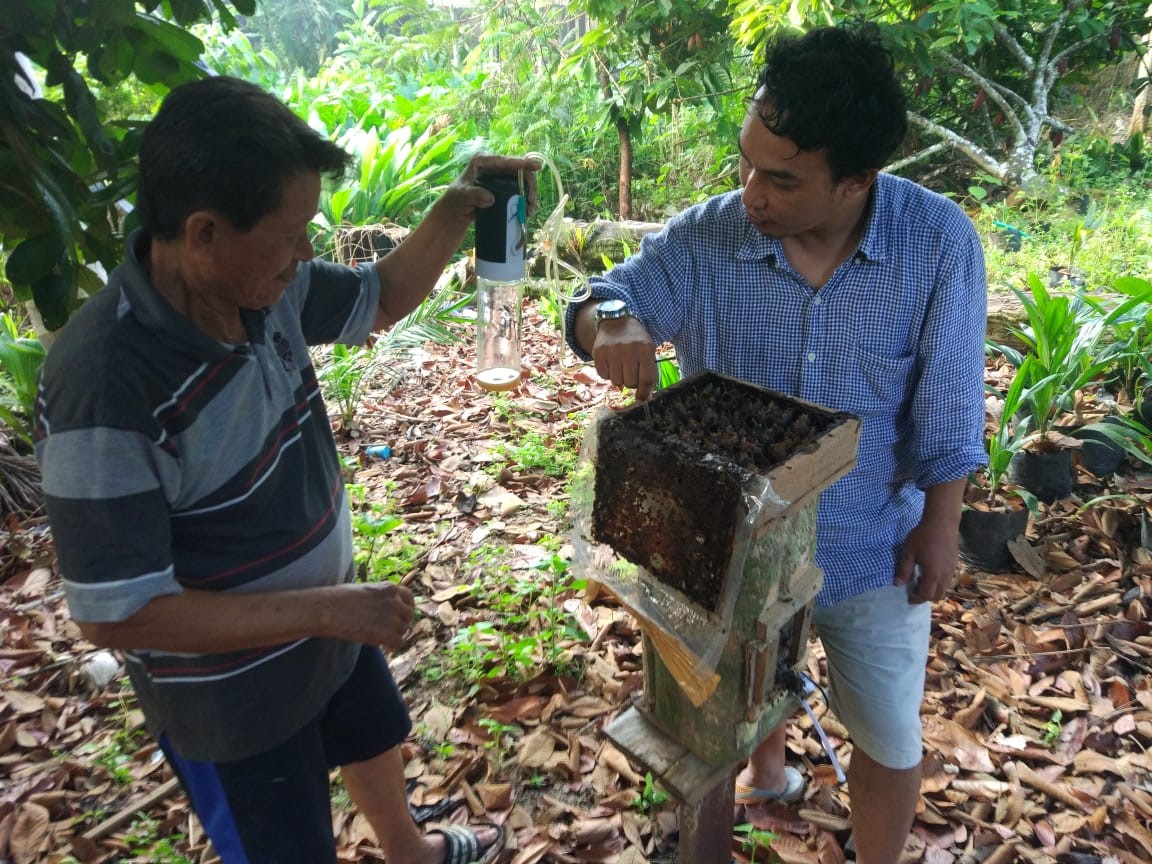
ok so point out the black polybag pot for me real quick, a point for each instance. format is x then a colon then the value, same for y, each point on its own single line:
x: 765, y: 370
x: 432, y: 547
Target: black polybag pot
x: 984, y: 536
x: 1046, y: 475
x: 1144, y: 410
x: 1099, y: 454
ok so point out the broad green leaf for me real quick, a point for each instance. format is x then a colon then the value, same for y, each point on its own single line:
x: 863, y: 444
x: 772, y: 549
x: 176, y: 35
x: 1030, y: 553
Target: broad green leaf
x: 34, y: 258
x: 185, y: 12
x: 112, y: 62
x: 178, y: 43
x: 29, y: 16
x: 80, y: 103
x: 53, y: 295
x: 1134, y: 287
x: 112, y: 13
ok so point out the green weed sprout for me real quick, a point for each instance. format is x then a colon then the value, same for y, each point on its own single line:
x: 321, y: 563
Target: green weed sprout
x: 650, y: 797
x: 754, y: 839
x: 1053, y: 728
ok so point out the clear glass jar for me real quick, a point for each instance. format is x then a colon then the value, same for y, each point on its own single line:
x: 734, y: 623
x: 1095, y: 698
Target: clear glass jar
x: 498, y: 333
x: 500, y: 269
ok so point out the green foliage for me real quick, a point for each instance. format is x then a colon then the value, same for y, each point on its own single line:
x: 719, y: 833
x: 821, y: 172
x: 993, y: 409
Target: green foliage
x: 21, y: 356
x: 1130, y: 352
x: 406, y: 147
x: 531, y: 628
x: 1128, y: 433
x: 476, y: 652
x: 648, y: 59
x: 1008, y: 435
x: 303, y: 32
x: 66, y: 164
x: 988, y: 72
x: 501, y: 738
x: 116, y: 755
x: 229, y: 51
x: 1073, y: 341
x: 378, y: 553
x: 651, y: 797
x: 539, y: 453
x: 397, y: 179
x: 754, y: 839
x: 1106, y: 232
x: 343, y: 375
x: 145, y: 843
x: 1061, y: 339
x: 667, y: 372
x: 345, y: 371
x: 1053, y: 728
x: 1094, y: 161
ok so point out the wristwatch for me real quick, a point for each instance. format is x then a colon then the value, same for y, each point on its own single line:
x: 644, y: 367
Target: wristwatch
x: 607, y: 310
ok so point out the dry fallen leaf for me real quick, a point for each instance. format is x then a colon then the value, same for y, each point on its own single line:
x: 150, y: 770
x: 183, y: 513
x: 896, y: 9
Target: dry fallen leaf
x: 536, y: 749
x: 29, y: 833
x: 956, y: 744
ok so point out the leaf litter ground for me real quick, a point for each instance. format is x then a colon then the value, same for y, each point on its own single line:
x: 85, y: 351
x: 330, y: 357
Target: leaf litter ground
x: 1038, y: 711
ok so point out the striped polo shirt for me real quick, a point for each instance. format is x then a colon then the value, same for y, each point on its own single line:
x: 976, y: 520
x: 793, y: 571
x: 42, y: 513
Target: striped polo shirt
x: 171, y: 461
x: 895, y: 336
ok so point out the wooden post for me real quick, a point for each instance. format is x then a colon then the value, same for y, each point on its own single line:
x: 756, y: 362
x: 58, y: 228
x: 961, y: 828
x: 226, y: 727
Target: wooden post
x: 706, y: 826
x: 729, y: 725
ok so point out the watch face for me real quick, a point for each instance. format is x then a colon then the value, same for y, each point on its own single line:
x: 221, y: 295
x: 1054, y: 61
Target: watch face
x: 611, y: 307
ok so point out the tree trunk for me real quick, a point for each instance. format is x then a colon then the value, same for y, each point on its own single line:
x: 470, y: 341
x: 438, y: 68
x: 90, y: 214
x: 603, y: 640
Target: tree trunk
x: 1139, y: 121
x: 625, y: 168
x: 625, y: 135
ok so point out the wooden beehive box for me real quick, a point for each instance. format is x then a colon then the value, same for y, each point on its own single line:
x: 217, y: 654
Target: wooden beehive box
x: 671, y: 475
x: 672, y: 483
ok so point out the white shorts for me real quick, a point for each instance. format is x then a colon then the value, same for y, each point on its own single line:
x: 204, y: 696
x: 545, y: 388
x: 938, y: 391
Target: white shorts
x: 877, y: 649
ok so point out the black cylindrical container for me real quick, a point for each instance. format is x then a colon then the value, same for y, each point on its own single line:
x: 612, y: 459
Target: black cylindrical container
x: 500, y: 240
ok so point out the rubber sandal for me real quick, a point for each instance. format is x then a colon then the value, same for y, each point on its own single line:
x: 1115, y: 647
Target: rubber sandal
x: 793, y: 791
x: 463, y: 847
x: 422, y: 813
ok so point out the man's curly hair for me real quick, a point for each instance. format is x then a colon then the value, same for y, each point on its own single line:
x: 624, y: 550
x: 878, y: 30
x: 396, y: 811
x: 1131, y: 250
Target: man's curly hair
x: 834, y: 89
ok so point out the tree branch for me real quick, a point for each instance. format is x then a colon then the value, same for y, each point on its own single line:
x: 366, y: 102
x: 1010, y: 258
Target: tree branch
x: 918, y: 156
x: 1074, y: 47
x: 991, y: 89
x: 1054, y: 31
x: 1014, y: 47
x: 974, y: 152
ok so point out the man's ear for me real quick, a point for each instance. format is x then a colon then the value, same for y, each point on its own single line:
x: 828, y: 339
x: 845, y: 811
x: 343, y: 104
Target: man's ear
x: 860, y: 182
x: 201, y: 235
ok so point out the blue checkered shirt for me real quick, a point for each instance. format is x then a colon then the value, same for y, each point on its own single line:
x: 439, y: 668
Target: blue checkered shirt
x: 895, y: 336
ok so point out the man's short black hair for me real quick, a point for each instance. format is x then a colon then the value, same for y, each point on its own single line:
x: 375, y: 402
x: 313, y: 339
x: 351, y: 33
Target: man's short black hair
x: 834, y: 89
x: 226, y: 145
